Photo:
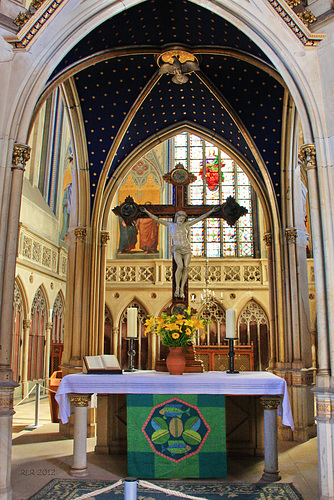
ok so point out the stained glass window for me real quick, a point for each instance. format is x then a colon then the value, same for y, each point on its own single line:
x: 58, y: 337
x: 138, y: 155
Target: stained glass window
x: 218, y: 177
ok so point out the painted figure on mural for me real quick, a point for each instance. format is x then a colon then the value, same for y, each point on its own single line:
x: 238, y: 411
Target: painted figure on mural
x: 66, y: 210
x: 127, y: 237
x: 148, y: 234
x: 180, y: 243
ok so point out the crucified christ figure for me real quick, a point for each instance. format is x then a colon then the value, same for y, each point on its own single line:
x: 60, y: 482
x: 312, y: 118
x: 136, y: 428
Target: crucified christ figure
x: 180, y: 243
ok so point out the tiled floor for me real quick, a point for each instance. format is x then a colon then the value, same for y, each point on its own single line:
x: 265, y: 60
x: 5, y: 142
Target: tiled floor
x: 41, y: 454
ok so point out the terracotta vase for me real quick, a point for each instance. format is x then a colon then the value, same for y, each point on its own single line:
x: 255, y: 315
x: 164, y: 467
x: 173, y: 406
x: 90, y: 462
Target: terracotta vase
x: 176, y: 361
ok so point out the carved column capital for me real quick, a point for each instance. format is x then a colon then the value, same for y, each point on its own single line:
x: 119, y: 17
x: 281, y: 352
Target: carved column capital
x: 26, y: 324
x: 270, y: 402
x: 307, y: 155
x: 104, y: 238
x: 268, y: 239
x: 81, y: 400
x: 21, y: 154
x: 291, y: 234
x: 80, y: 233
x: 48, y: 325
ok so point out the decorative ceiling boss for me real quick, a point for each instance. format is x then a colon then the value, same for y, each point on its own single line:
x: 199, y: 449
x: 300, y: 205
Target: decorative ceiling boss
x: 178, y: 63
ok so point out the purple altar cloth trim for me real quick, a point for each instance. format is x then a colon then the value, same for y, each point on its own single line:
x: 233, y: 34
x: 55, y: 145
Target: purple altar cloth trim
x: 152, y: 382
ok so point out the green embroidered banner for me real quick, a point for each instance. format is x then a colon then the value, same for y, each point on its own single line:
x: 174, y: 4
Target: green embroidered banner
x: 176, y: 436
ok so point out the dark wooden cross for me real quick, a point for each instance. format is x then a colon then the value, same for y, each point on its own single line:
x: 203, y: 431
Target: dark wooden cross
x: 179, y: 178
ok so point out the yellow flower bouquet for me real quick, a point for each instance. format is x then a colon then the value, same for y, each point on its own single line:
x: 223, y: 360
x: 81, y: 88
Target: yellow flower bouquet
x: 177, y: 330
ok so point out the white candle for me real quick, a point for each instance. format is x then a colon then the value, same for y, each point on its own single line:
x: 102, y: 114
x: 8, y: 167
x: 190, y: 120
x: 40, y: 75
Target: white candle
x: 132, y: 313
x: 230, y: 324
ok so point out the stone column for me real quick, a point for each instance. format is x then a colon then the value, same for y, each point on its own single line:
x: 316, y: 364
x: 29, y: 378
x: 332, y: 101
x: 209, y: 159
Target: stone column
x: 80, y: 234
x: 6, y: 415
x: 48, y: 328
x: 293, y: 337
x: 299, y: 345
x: 104, y: 240
x: 325, y: 431
x: 307, y: 156
x: 268, y: 239
x: 21, y: 154
x: 25, y: 356
x: 79, y: 466
x: 271, y: 472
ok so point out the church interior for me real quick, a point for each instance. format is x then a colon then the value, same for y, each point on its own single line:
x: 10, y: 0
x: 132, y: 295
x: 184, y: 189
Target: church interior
x: 102, y: 103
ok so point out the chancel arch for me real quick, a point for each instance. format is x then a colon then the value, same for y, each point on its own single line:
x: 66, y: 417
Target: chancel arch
x: 299, y: 67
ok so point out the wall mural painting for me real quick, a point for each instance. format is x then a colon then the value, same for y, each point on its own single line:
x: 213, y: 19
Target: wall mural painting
x: 67, y: 196
x: 143, y: 184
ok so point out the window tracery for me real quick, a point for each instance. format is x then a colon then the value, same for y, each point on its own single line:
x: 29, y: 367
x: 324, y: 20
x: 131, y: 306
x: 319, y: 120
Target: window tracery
x: 218, y: 177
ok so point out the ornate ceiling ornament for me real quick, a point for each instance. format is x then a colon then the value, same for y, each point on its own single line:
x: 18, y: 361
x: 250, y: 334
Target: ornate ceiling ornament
x: 24, y: 17
x: 307, y: 17
x: 307, y: 156
x: 298, y: 24
x: 293, y: 3
x: 178, y: 63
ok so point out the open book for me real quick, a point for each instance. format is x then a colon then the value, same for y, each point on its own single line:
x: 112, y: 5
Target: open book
x: 106, y: 363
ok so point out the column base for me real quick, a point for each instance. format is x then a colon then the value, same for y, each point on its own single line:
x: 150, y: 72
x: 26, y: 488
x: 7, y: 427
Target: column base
x: 270, y: 477
x: 79, y: 472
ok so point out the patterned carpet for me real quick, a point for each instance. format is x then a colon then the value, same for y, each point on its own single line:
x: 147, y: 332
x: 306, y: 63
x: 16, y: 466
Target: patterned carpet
x: 69, y: 489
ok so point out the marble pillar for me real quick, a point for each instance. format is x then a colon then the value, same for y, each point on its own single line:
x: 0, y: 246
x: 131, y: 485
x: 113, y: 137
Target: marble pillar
x: 76, y: 355
x: 6, y: 415
x: 104, y: 237
x: 271, y: 472
x: 307, y: 156
x: 300, y: 377
x: 324, y: 392
x: 79, y: 466
x: 268, y: 239
x: 21, y: 154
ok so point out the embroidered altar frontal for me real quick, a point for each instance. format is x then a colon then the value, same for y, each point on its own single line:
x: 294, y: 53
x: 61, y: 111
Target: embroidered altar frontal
x: 176, y: 436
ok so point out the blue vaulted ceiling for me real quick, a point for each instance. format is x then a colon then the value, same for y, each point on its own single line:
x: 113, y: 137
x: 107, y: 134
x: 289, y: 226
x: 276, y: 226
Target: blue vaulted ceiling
x: 234, y: 70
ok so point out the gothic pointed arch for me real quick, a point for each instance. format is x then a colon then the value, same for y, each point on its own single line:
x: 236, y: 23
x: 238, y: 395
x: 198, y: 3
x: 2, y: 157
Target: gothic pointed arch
x: 108, y: 326
x: 253, y: 327
x: 17, y: 331
x: 215, y: 331
x: 39, y: 317
x: 57, y: 332
x: 143, y: 356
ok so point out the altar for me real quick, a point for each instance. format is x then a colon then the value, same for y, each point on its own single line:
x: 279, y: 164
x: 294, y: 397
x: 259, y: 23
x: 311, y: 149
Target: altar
x: 76, y: 390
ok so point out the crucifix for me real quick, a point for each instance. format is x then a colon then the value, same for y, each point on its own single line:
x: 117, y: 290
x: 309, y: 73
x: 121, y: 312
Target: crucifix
x: 180, y: 178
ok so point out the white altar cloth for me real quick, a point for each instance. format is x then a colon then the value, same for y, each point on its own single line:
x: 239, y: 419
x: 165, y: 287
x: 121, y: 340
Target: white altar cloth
x: 152, y: 382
